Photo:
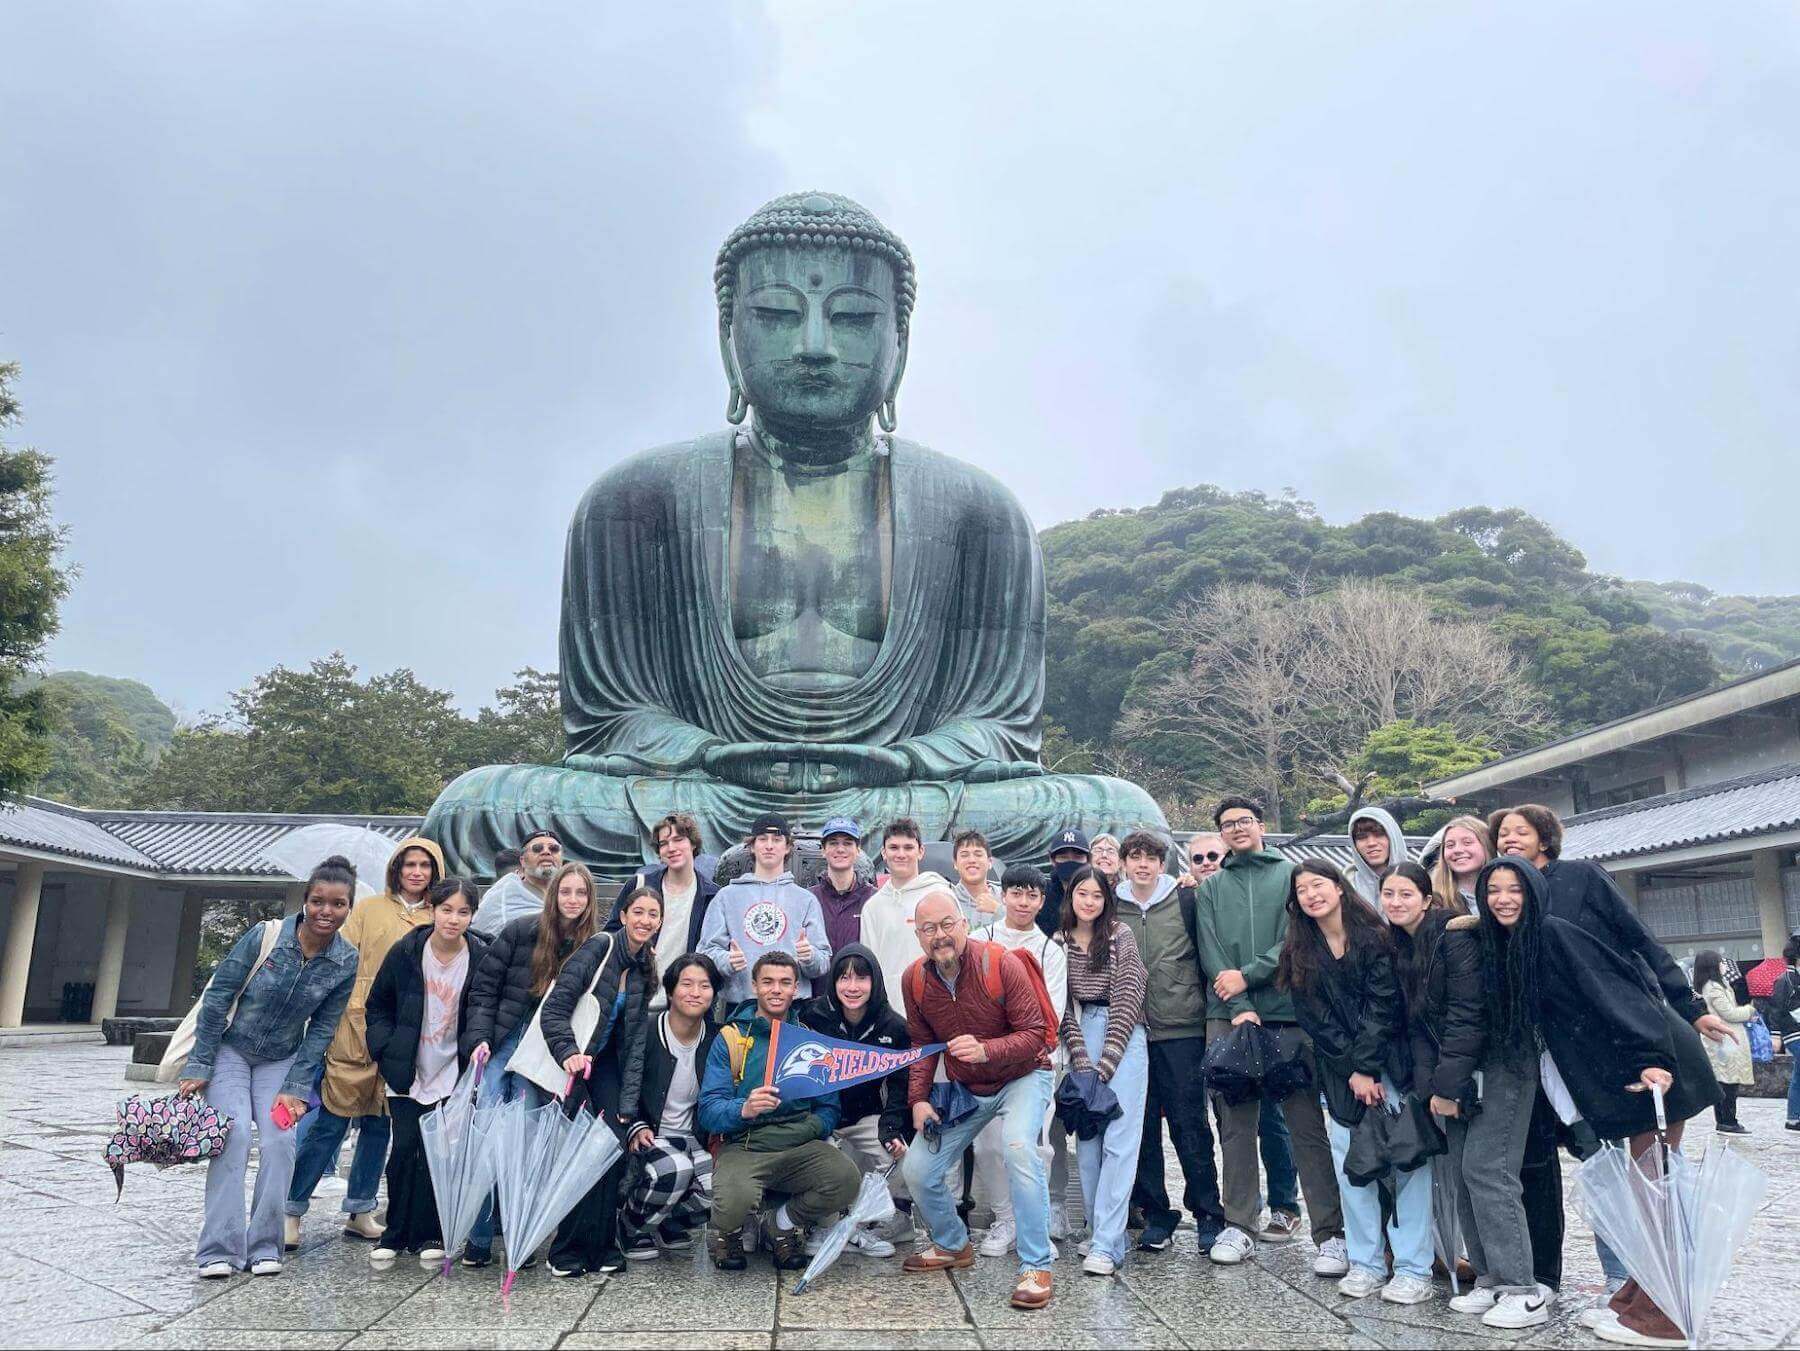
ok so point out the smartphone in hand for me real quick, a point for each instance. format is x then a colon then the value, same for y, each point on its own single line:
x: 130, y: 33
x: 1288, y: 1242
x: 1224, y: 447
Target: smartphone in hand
x: 280, y: 1115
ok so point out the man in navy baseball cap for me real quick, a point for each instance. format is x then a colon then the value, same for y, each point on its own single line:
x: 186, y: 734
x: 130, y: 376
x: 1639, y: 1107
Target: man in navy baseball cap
x: 1068, y: 852
x: 840, y: 892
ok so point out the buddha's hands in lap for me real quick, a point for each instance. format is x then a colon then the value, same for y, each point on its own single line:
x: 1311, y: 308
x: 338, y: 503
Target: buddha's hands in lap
x: 995, y: 771
x: 806, y: 767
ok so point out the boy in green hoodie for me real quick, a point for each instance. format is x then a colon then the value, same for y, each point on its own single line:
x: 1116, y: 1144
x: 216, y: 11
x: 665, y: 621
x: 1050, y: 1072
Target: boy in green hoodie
x: 768, y: 1144
x: 1241, y: 922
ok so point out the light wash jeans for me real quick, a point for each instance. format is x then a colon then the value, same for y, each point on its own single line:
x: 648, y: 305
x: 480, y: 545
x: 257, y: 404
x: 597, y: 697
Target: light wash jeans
x: 1109, y: 1160
x: 246, y: 1093
x: 321, y: 1134
x: 1021, y: 1105
x: 1408, y: 1233
x: 498, y: 1086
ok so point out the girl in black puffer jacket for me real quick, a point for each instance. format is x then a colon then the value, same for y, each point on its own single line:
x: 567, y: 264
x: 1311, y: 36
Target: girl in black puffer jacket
x: 1338, y: 962
x: 618, y: 971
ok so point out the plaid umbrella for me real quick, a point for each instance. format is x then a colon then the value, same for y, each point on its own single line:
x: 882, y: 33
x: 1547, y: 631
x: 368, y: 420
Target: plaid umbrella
x: 164, y: 1131
x: 1761, y: 978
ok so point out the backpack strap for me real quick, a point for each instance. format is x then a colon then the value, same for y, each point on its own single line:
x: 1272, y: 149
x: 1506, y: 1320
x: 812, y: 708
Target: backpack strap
x: 915, y: 981
x: 992, y: 956
x: 737, y: 1046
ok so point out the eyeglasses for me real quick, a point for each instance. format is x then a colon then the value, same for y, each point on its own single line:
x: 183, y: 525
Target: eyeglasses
x: 1207, y: 855
x: 947, y: 927
x: 1238, y: 823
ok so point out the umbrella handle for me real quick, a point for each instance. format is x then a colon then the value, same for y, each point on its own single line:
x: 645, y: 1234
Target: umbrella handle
x: 1662, y: 1116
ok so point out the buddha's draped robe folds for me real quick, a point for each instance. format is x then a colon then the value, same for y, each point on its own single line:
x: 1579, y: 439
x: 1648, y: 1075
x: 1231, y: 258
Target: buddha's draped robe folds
x: 654, y: 674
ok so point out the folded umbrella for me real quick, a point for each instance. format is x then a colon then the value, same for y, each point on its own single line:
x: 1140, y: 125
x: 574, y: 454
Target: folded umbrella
x: 1761, y: 978
x: 1446, y: 1226
x: 545, y: 1162
x: 873, y: 1203
x: 1235, y: 1063
x: 164, y: 1131
x: 1413, y: 1137
x: 954, y: 1104
x: 458, y: 1138
x: 1084, y: 1104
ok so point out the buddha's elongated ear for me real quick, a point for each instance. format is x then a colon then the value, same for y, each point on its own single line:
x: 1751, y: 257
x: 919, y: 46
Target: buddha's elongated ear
x: 887, y: 415
x: 736, y: 406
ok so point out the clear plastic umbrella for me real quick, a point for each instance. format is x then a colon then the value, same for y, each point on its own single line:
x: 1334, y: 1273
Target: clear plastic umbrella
x: 298, y: 852
x: 545, y: 1162
x: 1675, y: 1224
x: 1446, y: 1221
x: 873, y: 1203
x: 459, y: 1139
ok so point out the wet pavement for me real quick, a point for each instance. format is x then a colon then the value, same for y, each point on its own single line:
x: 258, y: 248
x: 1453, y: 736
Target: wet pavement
x: 79, y: 1270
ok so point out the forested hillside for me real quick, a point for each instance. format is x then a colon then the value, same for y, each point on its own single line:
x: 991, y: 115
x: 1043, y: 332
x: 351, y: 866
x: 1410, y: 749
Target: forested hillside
x: 1746, y: 633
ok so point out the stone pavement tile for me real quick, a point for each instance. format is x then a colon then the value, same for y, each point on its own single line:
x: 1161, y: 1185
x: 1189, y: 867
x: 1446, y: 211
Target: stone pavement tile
x: 230, y: 1339
x: 321, y: 1298
x: 52, y: 1296
x: 878, y: 1339
x: 679, y: 1292
x: 1207, y: 1296
x: 1222, y: 1339
x: 436, y: 1338
x: 471, y: 1299
x: 1469, y: 1335
x: 89, y: 1332
x: 1151, y: 1337
x: 684, y: 1340
x: 850, y: 1299
x: 1080, y: 1302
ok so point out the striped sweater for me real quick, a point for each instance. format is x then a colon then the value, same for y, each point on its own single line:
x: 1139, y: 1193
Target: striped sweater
x: 1120, y: 986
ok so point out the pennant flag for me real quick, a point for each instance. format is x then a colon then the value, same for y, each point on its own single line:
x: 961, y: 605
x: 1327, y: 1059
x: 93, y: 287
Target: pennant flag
x: 803, y: 1063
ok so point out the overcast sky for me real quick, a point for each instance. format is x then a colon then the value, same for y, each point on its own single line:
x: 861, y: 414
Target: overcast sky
x: 328, y: 313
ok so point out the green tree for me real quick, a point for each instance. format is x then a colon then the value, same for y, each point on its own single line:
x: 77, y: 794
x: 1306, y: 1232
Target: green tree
x: 522, y: 727
x: 32, y: 586
x: 97, y: 759
x: 1404, y: 756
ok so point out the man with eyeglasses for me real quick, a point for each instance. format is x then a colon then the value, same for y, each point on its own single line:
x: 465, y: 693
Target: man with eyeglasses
x: 980, y: 1001
x: 520, y: 893
x: 1241, y: 923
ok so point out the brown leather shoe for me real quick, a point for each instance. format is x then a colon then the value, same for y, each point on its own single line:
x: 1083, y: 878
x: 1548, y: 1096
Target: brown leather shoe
x: 1624, y: 1296
x: 1645, y: 1319
x: 933, y: 1258
x: 1033, y: 1290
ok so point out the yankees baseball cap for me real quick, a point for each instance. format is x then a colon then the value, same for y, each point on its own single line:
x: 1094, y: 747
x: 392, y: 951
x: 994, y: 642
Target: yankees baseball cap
x: 770, y: 824
x: 841, y: 825
x: 1071, y: 839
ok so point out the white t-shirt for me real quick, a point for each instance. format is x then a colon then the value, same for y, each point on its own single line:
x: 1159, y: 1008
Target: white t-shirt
x: 684, y: 1089
x: 672, y: 938
x: 435, y: 1067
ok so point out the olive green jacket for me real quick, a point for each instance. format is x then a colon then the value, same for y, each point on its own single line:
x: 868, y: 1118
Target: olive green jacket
x: 1241, y: 922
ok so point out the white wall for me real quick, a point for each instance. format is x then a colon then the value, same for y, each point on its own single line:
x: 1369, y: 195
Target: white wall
x: 71, y: 923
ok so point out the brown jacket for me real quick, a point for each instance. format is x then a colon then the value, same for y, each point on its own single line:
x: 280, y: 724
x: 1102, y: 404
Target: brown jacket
x: 1013, y: 1030
x: 352, y: 1086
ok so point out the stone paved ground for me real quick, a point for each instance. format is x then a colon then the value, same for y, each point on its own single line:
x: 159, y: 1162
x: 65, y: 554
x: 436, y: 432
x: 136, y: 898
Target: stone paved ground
x: 79, y: 1270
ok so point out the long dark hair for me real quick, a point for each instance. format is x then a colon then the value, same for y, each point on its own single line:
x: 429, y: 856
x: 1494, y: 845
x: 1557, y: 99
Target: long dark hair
x: 1510, y: 962
x: 1413, y: 951
x: 645, y: 960
x: 1709, y: 965
x: 1305, y: 952
x: 1099, y: 955
x: 549, y: 952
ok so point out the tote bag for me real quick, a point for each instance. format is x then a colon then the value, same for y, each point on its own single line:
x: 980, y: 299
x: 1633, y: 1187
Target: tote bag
x: 181, y: 1041
x: 532, y: 1059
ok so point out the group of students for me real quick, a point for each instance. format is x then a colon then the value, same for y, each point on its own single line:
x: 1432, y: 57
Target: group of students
x: 1515, y: 993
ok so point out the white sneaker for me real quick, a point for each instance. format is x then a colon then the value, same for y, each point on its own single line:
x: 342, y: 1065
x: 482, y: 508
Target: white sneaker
x: 1406, y: 1288
x: 216, y: 1271
x: 1059, y: 1221
x: 999, y: 1240
x: 332, y: 1185
x: 1333, y: 1259
x: 1602, y: 1310
x: 1518, y: 1310
x: 1359, y: 1282
x: 869, y: 1244
x: 1098, y: 1264
x: 1610, y: 1329
x: 269, y: 1266
x: 431, y: 1257
x: 383, y: 1258
x: 1476, y: 1300
x: 1232, y: 1246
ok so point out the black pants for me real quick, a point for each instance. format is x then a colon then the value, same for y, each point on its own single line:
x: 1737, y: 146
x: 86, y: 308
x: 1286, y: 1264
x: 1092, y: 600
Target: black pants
x: 412, y: 1215
x: 1725, y: 1110
x: 589, y: 1237
x: 1541, y: 1180
x: 1177, y: 1091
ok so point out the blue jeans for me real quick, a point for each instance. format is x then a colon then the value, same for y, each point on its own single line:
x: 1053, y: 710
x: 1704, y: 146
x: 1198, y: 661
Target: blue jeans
x: 320, y: 1135
x: 499, y: 1086
x: 1278, y: 1159
x: 1021, y: 1105
x: 245, y: 1093
x: 1408, y: 1233
x: 1109, y: 1161
x: 1793, y: 1107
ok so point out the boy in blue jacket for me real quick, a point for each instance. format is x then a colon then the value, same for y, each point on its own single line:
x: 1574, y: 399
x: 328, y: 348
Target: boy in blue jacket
x: 765, y: 1143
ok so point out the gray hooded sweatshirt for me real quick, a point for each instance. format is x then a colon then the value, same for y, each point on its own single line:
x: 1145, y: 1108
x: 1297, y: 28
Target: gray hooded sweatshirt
x: 764, y: 917
x: 1365, y: 879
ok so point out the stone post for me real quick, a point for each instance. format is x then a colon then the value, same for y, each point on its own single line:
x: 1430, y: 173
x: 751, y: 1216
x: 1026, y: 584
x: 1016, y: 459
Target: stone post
x: 187, y: 952
x: 21, y: 933
x: 112, y: 949
x: 1766, y: 878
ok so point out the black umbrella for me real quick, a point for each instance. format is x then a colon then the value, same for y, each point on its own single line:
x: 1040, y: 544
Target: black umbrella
x: 1084, y: 1104
x: 1251, y: 1060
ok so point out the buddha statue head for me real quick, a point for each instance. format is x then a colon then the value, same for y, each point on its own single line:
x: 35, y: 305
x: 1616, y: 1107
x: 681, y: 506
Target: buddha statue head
x: 815, y: 303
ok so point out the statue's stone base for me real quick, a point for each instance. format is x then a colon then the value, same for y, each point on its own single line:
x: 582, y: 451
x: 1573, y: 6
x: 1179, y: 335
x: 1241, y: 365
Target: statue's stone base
x: 605, y: 821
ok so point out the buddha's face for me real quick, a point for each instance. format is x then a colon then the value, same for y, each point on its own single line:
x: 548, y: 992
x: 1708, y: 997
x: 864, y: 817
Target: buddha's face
x: 814, y: 334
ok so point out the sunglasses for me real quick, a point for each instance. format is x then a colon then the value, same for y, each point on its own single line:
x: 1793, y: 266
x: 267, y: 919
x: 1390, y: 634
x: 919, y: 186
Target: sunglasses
x: 1208, y: 855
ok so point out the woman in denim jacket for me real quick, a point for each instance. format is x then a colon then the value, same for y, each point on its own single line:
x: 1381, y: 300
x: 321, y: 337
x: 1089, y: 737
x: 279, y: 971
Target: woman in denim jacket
x: 267, y: 1056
